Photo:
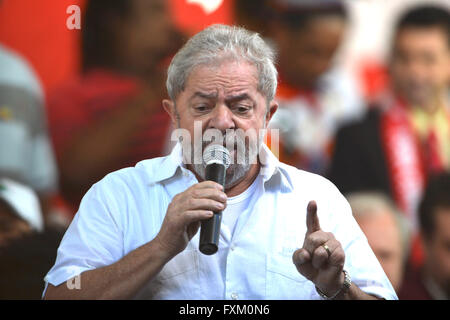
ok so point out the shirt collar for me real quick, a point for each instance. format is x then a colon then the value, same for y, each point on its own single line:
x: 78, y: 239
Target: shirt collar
x: 270, y: 171
x: 273, y: 173
x: 269, y: 163
x: 167, y: 168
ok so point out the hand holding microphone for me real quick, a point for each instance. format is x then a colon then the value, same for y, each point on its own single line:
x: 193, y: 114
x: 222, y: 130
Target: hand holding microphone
x: 202, y: 201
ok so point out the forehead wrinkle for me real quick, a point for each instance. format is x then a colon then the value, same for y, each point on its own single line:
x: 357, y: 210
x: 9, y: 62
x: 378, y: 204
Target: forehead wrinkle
x: 226, y: 81
x: 205, y: 95
x: 214, y: 78
x: 225, y: 86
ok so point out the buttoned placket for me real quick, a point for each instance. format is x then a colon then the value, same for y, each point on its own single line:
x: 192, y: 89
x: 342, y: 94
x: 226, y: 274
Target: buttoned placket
x: 232, y: 284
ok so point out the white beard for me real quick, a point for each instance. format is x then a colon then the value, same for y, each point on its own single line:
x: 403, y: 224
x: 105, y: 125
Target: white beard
x: 234, y: 174
x: 243, y: 156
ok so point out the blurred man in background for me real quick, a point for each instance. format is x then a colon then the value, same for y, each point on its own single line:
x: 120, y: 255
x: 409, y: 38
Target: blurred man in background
x: 111, y: 117
x: 253, y: 15
x: 28, y: 181
x: 406, y: 135
x: 315, y: 96
x: 26, y: 155
x: 386, y: 230
x: 432, y: 281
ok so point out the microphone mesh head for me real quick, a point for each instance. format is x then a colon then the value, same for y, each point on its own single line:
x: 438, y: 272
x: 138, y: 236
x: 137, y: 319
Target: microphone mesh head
x: 216, y: 153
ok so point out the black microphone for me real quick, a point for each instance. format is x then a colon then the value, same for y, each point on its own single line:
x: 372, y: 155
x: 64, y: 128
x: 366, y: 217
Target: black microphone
x: 216, y: 160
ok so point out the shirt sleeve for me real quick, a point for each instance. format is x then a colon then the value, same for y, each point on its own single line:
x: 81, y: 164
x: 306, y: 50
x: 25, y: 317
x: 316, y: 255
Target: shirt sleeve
x: 94, y: 238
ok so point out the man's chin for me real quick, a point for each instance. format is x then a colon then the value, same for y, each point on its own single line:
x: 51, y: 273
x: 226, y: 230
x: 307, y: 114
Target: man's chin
x: 418, y: 96
x: 234, y: 174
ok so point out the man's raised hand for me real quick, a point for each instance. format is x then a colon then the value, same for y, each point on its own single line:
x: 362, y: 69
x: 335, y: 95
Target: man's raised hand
x: 321, y: 259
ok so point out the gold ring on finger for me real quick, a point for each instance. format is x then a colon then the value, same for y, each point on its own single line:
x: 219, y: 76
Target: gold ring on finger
x: 327, y: 250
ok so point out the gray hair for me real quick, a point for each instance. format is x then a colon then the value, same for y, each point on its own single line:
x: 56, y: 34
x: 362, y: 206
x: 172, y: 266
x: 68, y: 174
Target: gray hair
x: 216, y: 44
x: 373, y: 203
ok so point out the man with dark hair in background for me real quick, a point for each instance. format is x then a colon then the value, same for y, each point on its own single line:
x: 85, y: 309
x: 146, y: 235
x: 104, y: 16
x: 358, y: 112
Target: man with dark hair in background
x: 433, y: 280
x: 405, y: 135
x: 253, y: 15
x: 316, y: 96
x: 110, y: 117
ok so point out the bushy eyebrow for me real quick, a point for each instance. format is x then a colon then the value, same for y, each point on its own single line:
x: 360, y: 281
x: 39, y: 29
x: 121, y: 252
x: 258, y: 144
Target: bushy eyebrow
x: 228, y: 100
x: 209, y: 96
x: 239, y: 97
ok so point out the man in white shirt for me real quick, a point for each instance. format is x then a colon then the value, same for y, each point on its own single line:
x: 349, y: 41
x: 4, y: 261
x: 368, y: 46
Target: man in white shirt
x: 136, y: 232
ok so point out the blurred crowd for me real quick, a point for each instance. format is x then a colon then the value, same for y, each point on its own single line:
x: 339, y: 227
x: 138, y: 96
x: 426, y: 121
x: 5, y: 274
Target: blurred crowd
x: 388, y: 151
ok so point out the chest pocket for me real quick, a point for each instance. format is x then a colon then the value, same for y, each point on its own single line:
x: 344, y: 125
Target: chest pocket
x: 283, y: 281
x: 178, y: 279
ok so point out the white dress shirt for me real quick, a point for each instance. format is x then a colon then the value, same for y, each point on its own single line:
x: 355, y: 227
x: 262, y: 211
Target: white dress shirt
x: 126, y: 209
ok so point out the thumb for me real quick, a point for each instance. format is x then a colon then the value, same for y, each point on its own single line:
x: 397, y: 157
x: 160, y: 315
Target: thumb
x: 312, y: 220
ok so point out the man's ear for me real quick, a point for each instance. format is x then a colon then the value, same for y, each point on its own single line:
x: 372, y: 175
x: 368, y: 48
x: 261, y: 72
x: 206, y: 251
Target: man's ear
x: 169, y: 106
x: 273, y: 107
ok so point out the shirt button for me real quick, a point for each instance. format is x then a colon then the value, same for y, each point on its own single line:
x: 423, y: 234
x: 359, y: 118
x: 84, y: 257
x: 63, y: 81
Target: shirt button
x: 234, y: 296
x: 232, y: 247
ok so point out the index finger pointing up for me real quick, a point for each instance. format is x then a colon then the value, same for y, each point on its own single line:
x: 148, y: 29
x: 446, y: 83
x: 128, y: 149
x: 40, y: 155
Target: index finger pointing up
x: 312, y: 220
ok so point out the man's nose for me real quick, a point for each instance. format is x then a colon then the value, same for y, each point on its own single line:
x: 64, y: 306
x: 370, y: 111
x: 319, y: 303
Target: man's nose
x: 221, y: 118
